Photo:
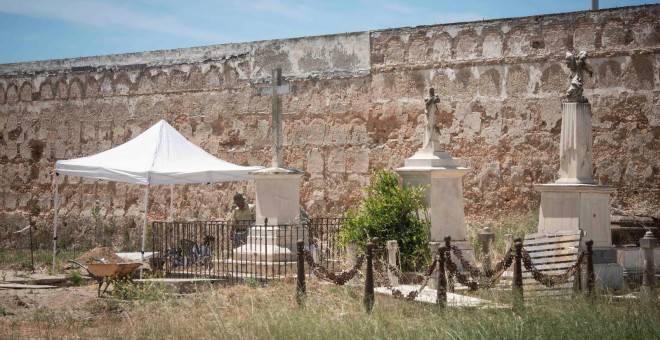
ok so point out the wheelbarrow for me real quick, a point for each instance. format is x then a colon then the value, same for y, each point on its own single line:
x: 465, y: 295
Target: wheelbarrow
x: 107, y: 272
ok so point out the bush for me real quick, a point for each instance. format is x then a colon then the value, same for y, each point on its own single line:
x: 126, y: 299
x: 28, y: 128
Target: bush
x: 392, y: 212
x: 75, y: 278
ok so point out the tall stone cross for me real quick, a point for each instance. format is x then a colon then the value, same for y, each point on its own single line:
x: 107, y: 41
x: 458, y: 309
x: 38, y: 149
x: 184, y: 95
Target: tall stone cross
x: 275, y: 90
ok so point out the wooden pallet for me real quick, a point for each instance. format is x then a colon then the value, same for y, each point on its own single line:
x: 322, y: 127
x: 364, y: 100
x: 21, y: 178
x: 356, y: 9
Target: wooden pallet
x: 552, y: 254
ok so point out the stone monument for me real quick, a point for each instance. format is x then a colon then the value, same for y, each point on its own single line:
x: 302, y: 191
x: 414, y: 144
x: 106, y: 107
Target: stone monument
x: 575, y: 201
x: 271, y: 246
x: 441, y: 174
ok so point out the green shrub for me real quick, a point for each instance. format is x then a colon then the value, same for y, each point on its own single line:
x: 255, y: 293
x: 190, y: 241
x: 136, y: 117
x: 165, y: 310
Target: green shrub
x: 392, y: 212
x: 144, y: 291
x: 251, y: 282
x: 75, y: 278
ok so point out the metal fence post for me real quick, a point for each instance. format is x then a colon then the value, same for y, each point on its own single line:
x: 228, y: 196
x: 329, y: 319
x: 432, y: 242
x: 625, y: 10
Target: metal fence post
x: 369, y: 280
x: 448, y: 258
x: 486, y: 237
x: 517, y: 288
x: 647, y: 246
x: 441, y: 298
x: 591, y: 277
x: 300, y: 287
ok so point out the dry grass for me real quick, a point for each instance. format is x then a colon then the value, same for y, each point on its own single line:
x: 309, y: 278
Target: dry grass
x: 331, y: 312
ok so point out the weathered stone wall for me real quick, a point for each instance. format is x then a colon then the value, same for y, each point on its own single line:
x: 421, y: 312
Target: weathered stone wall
x: 358, y: 107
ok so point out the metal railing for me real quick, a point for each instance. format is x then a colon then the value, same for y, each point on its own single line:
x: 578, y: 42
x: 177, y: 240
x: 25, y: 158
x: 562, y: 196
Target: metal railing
x: 233, y: 251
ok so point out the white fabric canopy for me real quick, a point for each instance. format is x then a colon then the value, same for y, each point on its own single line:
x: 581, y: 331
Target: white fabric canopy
x: 160, y: 155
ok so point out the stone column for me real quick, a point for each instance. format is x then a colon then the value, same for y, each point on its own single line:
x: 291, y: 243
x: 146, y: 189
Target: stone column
x: 392, y: 252
x: 486, y: 237
x: 351, y: 252
x: 647, y: 245
x: 433, y: 281
x: 575, y: 146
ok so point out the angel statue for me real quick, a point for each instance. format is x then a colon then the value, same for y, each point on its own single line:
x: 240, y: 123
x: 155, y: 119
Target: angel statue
x: 430, y: 134
x: 577, y: 65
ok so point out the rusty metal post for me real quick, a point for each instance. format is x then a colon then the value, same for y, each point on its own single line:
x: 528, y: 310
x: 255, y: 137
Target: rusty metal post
x: 591, y: 277
x: 441, y: 298
x: 450, y: 285
x: 647, y: 246
x: 31, y: 246
x: 369, y: 280
x: 300, y: 287
x: 517, y: 288
x: 486, y: 237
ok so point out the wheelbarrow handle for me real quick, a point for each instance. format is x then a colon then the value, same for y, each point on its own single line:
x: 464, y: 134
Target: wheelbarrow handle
x: 82, y: 266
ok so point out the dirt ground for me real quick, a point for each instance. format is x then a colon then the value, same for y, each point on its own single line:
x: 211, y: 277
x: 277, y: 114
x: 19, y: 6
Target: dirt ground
x: 24, y: 312
x: 17, y: 303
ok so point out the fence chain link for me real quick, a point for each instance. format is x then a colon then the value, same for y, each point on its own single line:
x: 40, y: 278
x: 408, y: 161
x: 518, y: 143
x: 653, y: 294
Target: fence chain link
x: 547, y: 279
x: 487, y: 278
x: 337, y: 278
x: 378, y: 267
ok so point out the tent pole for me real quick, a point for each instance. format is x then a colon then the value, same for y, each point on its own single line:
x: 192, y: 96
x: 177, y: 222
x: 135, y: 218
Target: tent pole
x: 171, y: 218
x: 56, y: 208
x: 144, y: 226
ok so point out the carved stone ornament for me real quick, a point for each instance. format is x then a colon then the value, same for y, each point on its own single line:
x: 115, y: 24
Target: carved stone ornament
x: 430, y: 133
x: 578, y: 65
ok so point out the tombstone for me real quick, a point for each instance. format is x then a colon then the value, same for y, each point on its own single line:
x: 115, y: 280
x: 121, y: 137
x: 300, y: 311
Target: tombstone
x: 277, y: 203
x: 442, y: 174
x: 575, y: 201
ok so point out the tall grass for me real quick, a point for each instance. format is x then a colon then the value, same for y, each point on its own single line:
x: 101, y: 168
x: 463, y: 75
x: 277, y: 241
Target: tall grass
x: 333, y: 312
x: 512, y: 226
x: 21, y: 259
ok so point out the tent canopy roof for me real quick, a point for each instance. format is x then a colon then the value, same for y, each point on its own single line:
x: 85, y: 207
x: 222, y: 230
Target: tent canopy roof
x: 160, y: 155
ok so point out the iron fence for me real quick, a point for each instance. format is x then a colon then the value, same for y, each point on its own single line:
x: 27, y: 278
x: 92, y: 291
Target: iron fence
x: 218, y: 249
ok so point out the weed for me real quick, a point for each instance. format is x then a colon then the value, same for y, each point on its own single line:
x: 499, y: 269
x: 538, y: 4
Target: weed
x: 75, y: 278
x: 144, y: 291
x: 251, y: 282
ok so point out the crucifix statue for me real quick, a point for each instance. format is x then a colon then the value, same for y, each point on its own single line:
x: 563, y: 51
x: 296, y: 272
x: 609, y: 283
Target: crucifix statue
x: 430, y: 133
x: 275, y: 90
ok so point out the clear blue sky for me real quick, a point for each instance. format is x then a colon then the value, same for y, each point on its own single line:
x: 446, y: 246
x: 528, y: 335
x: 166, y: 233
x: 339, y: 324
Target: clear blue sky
x: 54, y: 29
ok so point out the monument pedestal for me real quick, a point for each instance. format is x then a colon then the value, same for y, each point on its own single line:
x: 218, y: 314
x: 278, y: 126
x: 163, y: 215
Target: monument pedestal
x: 441, y: 175
x: 271, y: 247
x: 577, y: 206
x: 575, y: 201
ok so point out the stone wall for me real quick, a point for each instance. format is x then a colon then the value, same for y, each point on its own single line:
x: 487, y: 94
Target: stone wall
x: 358, y: 107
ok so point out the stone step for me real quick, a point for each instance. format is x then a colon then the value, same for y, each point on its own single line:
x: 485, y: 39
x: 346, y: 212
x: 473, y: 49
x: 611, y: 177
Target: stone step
x: 266, y: 268
x: 258, y: 252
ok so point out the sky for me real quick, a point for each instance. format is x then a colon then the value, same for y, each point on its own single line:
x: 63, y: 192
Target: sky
x: 54, y: 29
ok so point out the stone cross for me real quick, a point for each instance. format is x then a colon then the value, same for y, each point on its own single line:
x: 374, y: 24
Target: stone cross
x: 275, y: 90
x: 430, y: 134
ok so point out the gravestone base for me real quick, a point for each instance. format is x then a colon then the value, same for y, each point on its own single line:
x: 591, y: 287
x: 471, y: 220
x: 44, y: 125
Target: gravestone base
x: 577, y: 207
x: 583, y: 207
x: 442, y: 175
x: 271, y: 248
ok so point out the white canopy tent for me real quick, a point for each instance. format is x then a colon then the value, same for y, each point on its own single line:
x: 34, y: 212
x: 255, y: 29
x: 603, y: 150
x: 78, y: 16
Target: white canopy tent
x: 160, y: 155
